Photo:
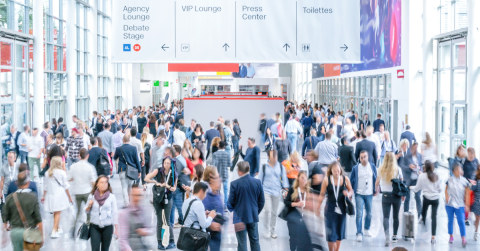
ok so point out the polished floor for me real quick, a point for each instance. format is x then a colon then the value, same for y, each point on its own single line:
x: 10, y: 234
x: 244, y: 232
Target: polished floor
x: 229, y: 242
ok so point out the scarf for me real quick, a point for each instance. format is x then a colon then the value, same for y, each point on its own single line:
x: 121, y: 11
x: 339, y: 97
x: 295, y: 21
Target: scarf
x: 101, y: 199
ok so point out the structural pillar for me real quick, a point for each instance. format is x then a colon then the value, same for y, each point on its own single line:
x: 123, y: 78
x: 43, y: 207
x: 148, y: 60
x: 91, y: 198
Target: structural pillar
x: 427, y: 84
x: 38, y: 85
x: 473, y: 75
x: 71, y: 63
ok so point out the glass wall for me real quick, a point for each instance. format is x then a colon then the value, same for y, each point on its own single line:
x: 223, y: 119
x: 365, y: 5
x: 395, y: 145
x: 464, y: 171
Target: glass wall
x: 83, y: 54
x: 118, y: 86
x: 368, y: 95
x: 453, y: 15
x: 103, y: 21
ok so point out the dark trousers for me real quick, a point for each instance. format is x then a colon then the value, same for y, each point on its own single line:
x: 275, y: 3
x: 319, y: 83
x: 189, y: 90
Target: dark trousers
x: 252, y: 230
x: 215, y: 241
x: 159, y: 207
x: 145, y: 171
x: 177, y: 201
x: 418, y: 200
x: 100, y: 236
x: 434, y: 204
x: 235, y: 145
x: 297, y: 230
x: 306, y: 132
x: 390, y: 200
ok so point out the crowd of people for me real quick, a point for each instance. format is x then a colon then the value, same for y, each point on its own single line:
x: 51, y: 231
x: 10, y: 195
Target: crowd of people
x: 186, y: 172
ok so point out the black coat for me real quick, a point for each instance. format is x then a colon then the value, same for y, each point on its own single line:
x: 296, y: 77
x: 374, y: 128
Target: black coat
x: 94, y: 156
x: 347, y: 157
x: 369, y: 147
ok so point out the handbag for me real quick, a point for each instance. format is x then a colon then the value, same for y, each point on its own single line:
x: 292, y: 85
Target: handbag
x: 84, y: 231
x: 283, y: 214
x: 131, y: 172
x: 399, y: 187
x: 192, y: 239
x: 349, y: 207
x: 165, y: 231
x: 32, y: 238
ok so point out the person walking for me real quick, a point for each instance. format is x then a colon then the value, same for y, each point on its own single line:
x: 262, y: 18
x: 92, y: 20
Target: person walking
x: 292, y: 165
x: 210, y: 134
x: 411, y: 169
x: 178, y: 136
x: 141, y: 121
x: 389, y: 170
x: 22, y: 143
x: 295, y: 202
x: 269, y: 140
x: 82, y: 175
x: 366, y: 145
x: 237, y: 135
x: 429, y: 150
x: 74, y: 144
x: 166, y: 178
x: 470, y: 167
x: 152, y: 125
x: 213, y: 202
x: 407, y: 134
x: 293, y: 129
x: 8, y: 173
x: 246, y: 200
x: 327, y: 151
x: 102, y: 207
x: 36, y: 146
x: 56, y: 196
x: 147, y: 147
x: 307, y: 123
x: 228, y: 132
x: 252, y: 156
x: 183, y: 179
x: 429, y: 183
x: 457, y: 201
x: 363, y: 179
x: 274, y: 181
x: 197, y: 177
x: 337, y: 187
x: 283, y: 147
x: 107, y: 140
x: 346, y: 153
x: 476, y: 202
x: 387, y: 145
x: 94, y: 155
x: 223, y: 162
x: 310, y: 142
x: 18, y: 205
x: 127, y: 155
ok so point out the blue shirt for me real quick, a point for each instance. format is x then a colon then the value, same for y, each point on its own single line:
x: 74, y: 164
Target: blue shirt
x: 22, y: 139
x: 275, y: 179
x: 250, y: 71
x: 196, y: 215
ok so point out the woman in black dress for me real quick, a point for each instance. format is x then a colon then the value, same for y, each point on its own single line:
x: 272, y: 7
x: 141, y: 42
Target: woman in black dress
x: 337, y: 187
x: 141, y: 121
x: 153, y: 125
x: 99, y: 125
x: 197, y: 134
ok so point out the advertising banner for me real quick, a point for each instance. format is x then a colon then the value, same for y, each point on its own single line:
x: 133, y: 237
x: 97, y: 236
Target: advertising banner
x: 236, y: 31
x: 249, y: 70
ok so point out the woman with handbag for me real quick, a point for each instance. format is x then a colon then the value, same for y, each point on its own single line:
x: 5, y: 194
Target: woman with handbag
x: 102, y: 207
x: 165, y: 179
x: 56, y: 196
x: 269, y: 139
x: 338, y: 190
x: 389, y: 170
x: 295, y: 203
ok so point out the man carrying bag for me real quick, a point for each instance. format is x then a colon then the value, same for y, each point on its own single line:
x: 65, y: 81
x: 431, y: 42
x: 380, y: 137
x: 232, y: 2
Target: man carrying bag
x: 193, y: 235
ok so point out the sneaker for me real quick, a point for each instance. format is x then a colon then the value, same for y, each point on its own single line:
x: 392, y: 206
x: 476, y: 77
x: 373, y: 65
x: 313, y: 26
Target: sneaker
x: 266, y: 236
x: 177, y: 225
x: 274, y: 235
x: 60, y: 231
x: 450, y: 240
x: 54, y: 235
x: 467, y: 223
x: 387, y: 242
x: 394, y: 239
x: 433, y: 241
x: 464, y: 242
x: 367, y: 233
x: 171, y: 245
x: 475, y: 236
x: 359, y: 237
x: 161, y: 247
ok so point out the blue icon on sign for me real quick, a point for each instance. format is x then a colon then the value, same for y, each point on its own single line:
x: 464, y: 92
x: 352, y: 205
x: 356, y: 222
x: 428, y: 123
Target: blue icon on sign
x: 127, y: 47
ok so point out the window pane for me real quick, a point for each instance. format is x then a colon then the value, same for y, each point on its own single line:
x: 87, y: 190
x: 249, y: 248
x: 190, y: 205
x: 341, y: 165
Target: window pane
x: 461, y: 14
x: 56, y: 30
x: 19, y: 18
x: 460, y: 127
x: 21, y: 116
x: 444, y: 146
x: 459, y: 82
x: 6, y: 84
x: 444, y: 117
x: 20, y: 55
x: 444, y: 55
x: 445, y: 85
x: 85, y: 56
x: 459, y: 54
x: 3, y: 13
x: 21, y: 84
x: 6, y: 53
x: 55, y: 8
x: 64, y: 84
x: 56, y: 85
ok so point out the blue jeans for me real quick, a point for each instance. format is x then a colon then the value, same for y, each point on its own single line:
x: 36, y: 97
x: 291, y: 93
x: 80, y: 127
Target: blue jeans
x: 235, y: 146
x: 23, y: 156
x: 292, y: 137
x: 460, y: 213
x: 225, y: 191
x: 360, y: 202
x: 252, y: 230
x: 177, y: 202
x: 70, y: 162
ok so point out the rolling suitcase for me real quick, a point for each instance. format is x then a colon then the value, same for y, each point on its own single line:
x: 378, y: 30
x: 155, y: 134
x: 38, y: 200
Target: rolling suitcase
x: 408, y: 226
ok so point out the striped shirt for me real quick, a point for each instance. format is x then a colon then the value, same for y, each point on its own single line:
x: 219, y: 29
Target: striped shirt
x: 327, y: 152
x: 73, y: 147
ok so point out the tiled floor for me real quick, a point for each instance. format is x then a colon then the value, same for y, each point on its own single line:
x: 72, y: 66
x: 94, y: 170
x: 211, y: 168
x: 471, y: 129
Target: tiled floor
x: 229, y: 242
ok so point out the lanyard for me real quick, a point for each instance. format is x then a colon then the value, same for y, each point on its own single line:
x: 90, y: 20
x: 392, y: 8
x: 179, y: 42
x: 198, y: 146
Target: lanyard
x: 11, y: 174
x: 335, y: 192
x: 166, y: 181
x: 300, y: 196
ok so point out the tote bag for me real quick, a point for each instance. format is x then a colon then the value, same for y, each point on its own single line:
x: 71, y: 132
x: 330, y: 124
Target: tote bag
x: 165, y: 231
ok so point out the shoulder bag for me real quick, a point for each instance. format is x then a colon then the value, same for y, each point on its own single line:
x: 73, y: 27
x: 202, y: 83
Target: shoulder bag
x: 349, y: 207
x: 84, y: 231
x: 32, y: 238
x: 131, y: 172
x: 192, y: 239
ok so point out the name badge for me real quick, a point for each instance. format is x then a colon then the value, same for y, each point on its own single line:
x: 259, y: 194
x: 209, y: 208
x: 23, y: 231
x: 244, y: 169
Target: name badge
x: 337, y: 210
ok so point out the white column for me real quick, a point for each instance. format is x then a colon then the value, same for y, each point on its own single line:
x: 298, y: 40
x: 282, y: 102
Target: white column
x: 71, y: 62
x: 427, y: 84
x: 38, y: 85
x: 473, y: 75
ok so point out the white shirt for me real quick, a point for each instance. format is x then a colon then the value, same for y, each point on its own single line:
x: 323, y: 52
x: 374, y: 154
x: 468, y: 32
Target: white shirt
x: 293, y: 126
x: 35, y: 144
x: 83, y: 174
x: 179, y: 137
x: 430, y: 190
x: 86, y: 141
x: 429, y: 153
x: 174, y: 110
x: 138, y: 144
x: 365, y: 186
x: 373, y: 138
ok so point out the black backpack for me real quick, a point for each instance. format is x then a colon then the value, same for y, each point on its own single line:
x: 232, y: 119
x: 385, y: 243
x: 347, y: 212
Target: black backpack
x: 103, y: 165
x: 399, y: 187
x: 65, y: 131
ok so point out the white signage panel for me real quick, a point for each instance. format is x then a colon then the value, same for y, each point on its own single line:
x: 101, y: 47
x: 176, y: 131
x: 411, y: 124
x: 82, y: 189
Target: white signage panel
x: 257, y: 31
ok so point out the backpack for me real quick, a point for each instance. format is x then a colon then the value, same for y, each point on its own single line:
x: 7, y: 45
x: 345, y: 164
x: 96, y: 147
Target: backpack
x: 65, y: 131
x: 103, y: 165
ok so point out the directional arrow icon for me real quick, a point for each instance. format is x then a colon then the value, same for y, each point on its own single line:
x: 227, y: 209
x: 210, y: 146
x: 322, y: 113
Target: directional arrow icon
x: 286, y: 46
x: 346, y: 47
x: 226, y: 46
x: 163, y: 47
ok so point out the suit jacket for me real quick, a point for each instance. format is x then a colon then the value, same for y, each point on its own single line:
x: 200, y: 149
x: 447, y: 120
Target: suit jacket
x: 114, y: 126
x: 369, y: 147
x: 242, y: 71
x: 347, y: 157
x: 246, y: 199
x: 11, y: 138
x: 210, y: 135
x: 365, y: 124
x: 376, y: 125
x: 252, y: 156
x: 94, y: 156
x: 309, y: 143
x: 405, y: 165
x: 131, y: 157
x: 408, y: 135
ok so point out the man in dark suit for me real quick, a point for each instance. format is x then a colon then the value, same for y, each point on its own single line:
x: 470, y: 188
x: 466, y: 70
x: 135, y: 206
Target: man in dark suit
x: 365, y: 122
x: 246, y: 200
x: 210, y: 135
x: 310, y: 142
x: 368, y: 146
x: 377, y: 123
x: 411, y: 166
x: 94, y: 154
x: 252, y: 156
x: 408, y: 135
x: 242, y: 71
x: 347, y: 156
x: 126, y: 154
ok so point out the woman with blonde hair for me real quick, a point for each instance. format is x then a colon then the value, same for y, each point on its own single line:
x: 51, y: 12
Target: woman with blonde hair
x: 187, y: 144
x: 292, y: 166
x: 56, y: 196
x: 402, y: 150
x: 389, y: 170
x: 429, y: 150
x: 149, y: 135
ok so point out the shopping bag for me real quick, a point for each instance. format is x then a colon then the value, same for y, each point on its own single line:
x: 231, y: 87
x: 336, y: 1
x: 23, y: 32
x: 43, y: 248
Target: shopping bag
x: 165, y: 231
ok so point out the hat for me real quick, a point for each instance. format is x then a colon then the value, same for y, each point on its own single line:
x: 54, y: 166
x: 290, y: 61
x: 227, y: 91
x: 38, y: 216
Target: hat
x: 75, y: 130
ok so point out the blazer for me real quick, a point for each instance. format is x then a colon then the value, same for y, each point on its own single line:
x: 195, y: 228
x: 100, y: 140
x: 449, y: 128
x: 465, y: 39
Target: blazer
x: 405, y: 165
x: 237, y: 131
x: 210, y: 135
x: 309, y: 143
x: 354, y: 177
x: 10, y: 138
x: 365, y: 124
x: 131, y: 157
x: 252, y: 156
x: 94, y: 156
x: 376, y: 125
x: 369, y: 147
x: 246, y: 198
x: 242, y: 71
x: 409, y: 136
x: 347, y: 157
